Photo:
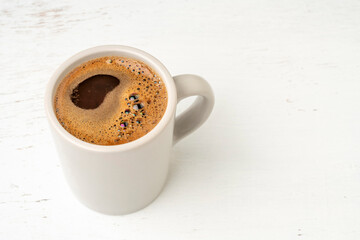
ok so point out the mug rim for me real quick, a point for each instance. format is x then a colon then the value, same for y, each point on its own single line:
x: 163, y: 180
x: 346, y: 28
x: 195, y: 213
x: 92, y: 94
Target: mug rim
x: 113, y: 50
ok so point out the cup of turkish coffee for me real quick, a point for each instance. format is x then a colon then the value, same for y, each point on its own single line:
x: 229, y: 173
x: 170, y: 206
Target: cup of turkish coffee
x: 111, y: 111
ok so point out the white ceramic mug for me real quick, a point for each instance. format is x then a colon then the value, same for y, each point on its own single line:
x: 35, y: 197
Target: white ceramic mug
x: 124, y: 178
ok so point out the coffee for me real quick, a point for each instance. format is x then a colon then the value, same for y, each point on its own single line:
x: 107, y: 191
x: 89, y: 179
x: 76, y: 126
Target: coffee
x: 110, y: 100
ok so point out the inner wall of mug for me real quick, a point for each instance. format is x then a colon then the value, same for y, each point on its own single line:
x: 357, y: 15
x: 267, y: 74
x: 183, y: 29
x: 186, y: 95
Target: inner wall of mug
x: 127, y: 52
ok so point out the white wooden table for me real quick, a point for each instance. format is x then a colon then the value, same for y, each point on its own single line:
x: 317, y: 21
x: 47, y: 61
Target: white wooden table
x: 278, y: 159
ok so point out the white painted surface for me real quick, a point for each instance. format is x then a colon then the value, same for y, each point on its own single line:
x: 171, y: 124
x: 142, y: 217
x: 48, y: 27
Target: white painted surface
x: 278, y: 159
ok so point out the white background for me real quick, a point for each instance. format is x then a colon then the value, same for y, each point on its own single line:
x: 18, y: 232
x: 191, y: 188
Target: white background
x: 279, y: 158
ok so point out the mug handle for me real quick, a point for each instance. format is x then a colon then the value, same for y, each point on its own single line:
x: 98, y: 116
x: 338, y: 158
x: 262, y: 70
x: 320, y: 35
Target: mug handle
x: 188, y: 85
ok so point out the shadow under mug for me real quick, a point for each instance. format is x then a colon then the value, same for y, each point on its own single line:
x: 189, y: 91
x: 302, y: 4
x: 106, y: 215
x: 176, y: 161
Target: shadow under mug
x: 124, y: 178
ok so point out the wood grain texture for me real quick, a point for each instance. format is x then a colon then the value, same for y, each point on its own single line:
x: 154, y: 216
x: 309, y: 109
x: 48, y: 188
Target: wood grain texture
x: 278, y: 159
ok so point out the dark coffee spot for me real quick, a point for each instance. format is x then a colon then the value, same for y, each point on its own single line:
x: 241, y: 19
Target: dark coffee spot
x: 90, y: 93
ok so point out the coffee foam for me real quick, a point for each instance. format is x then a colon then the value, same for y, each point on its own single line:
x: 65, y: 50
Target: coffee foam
x: 128, y: 112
